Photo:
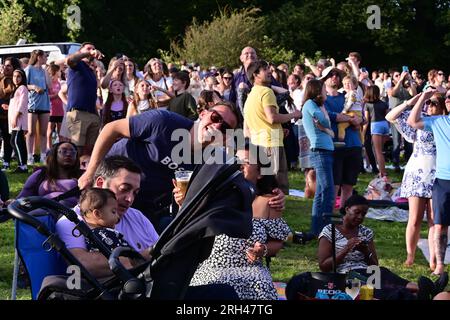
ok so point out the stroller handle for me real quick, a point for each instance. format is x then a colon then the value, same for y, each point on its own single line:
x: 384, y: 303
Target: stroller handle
x: 133, y: 287
x: 27, y: 204
x: 20, y: 209
x: 117, y: 267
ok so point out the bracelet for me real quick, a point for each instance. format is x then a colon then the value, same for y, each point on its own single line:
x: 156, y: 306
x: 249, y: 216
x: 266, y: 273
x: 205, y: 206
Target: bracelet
x: 370, y: 256
x: 265, y: 250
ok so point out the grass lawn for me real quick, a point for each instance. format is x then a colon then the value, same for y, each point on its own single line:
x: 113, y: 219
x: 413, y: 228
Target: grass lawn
x: 293, y: 259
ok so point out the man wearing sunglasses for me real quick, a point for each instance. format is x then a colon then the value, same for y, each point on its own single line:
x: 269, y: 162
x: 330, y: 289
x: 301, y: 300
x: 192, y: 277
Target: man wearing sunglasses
x: 149, y: 140
x: 440, y: 126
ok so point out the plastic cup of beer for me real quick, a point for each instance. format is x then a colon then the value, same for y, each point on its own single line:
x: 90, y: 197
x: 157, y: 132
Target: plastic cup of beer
x: 366, y: 292
x: 182, y: 178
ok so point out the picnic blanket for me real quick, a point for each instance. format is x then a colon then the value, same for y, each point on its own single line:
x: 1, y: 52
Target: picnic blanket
x: 388, y: 214
x: 281, y: 290
x: 296, y: 193
x: 423, y: 245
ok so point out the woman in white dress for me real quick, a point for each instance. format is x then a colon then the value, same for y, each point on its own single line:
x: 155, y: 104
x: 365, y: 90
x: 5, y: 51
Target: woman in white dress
x: 418, y: 178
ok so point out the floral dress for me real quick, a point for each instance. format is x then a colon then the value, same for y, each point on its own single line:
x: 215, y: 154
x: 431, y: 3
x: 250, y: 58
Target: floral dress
x: 228, y: 262
x: 420, y: 170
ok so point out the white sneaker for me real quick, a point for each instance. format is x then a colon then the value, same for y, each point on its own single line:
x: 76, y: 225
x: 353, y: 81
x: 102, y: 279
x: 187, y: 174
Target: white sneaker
x: 30, y: 161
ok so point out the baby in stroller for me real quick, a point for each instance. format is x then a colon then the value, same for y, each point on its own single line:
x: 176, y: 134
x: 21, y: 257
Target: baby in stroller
x: 99, y: 210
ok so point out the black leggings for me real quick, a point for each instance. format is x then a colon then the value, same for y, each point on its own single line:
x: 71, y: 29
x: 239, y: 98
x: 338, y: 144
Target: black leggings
x: 19, y: 145
x: 390, y: 283
x: 7, y: 150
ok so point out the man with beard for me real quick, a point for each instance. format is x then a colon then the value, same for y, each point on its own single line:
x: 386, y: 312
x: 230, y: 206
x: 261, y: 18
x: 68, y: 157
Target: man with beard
x: 347, y: 159
x: 122, y: 176
x: 263, y: 121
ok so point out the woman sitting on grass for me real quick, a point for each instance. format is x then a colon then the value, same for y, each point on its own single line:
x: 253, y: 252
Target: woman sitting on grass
x: 60, y: 174
x: 355, y: 251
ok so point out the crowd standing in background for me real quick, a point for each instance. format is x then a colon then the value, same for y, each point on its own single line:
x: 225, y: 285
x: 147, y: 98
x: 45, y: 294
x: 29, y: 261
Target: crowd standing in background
x: 330, y: 119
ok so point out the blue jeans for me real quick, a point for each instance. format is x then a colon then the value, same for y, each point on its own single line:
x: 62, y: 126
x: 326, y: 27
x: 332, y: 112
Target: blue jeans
x: 322, y: 162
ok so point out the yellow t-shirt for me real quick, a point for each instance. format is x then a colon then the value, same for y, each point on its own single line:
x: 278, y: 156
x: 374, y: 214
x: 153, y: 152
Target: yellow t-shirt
x: 262, y: 133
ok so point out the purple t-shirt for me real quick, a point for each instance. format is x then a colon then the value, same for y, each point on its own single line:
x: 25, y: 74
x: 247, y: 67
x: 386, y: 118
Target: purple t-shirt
x: 35, y: 186
x: 135, y: 227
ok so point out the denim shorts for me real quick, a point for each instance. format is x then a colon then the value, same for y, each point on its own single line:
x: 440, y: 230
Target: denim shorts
x: 441, y: 201
x: 380, y: 128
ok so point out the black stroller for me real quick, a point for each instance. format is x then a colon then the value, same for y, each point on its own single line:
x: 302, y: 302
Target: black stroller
x: 218, y: 201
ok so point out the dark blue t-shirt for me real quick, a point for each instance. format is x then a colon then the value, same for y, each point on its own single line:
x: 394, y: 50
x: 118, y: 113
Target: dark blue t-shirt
x: 82, y: 88
x: 335, y: 105
x: 151, y: 147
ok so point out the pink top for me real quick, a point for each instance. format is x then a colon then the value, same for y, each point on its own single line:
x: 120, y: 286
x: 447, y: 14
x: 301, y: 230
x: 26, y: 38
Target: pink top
x: 56, y: 104
x: 19, y: 103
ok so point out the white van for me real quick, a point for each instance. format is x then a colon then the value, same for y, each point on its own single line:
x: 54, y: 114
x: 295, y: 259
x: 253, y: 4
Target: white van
x: 56, y: 51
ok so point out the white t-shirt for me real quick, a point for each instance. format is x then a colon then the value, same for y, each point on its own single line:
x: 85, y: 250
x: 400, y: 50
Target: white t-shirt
x: 297, y: 96
x: 164, y: 82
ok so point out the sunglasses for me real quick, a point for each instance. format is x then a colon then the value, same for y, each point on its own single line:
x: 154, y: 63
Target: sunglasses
x: 430, y: 102
x: 447, y: 97
x: 440, y: 73
x: 227, y: 78
x: 217, y: 118
x: 333, y: 74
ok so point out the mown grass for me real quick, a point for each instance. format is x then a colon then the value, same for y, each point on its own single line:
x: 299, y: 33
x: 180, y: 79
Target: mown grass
x: 293, y: 259
x: 389, y: 238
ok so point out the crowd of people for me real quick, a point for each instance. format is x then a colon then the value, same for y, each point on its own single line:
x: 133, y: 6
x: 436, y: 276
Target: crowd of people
x: 113, y: 128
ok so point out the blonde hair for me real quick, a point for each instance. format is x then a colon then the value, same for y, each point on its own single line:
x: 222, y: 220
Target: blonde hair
x: 352, y: 80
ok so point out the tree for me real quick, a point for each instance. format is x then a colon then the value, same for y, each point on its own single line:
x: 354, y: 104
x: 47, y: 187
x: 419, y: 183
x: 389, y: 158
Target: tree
x: 13, y: 22
x: 413, y: 32
x: 220, y: 41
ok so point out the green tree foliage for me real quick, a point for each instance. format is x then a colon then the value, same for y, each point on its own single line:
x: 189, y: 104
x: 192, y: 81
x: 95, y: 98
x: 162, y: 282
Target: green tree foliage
x: 220, y: 41
x: 412, y: 32
x: 275, y: 52
x: 13, y: 22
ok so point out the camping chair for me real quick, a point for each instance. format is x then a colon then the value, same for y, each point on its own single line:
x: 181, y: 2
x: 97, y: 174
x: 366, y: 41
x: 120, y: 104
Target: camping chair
x: 33, y: 249
x: 37, y: 244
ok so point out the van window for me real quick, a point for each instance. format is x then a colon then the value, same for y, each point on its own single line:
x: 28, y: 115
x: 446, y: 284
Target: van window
x: 55, y: 51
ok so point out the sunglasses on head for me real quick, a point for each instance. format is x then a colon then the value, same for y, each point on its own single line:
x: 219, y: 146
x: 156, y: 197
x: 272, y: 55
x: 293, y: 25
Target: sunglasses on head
x: 217, y: 118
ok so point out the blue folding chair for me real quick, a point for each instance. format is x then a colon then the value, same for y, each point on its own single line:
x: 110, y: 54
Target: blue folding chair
x: 39, y: 258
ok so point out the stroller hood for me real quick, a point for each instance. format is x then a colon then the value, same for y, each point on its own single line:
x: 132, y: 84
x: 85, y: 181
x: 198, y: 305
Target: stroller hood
x: 218, y: 201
